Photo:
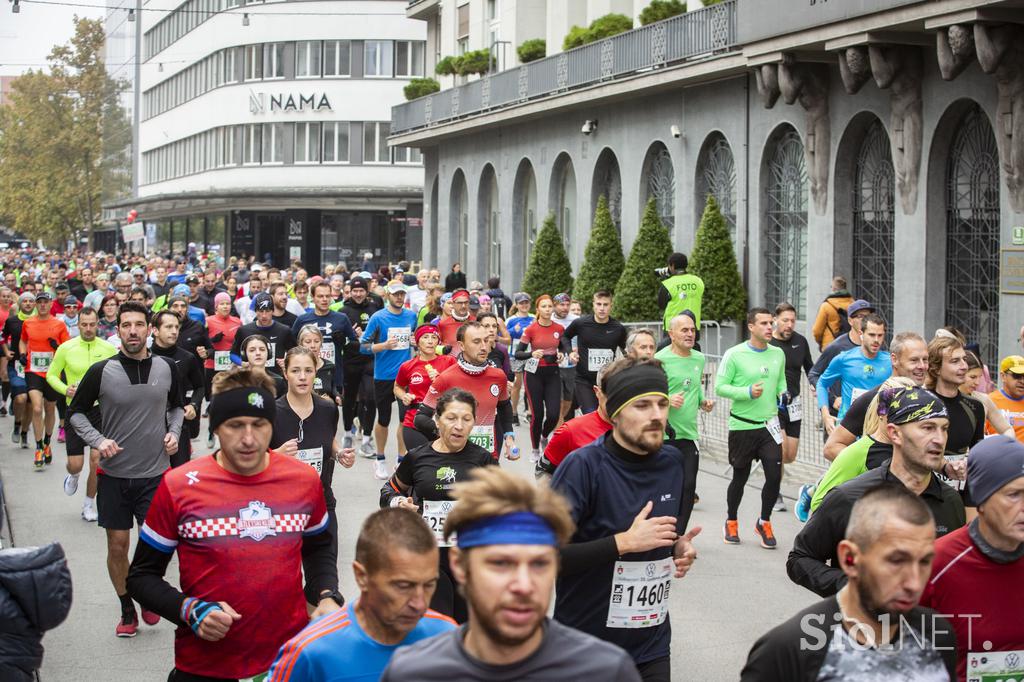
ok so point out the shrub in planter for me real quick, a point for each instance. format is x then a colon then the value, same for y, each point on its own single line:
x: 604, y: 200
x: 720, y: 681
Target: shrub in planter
x: 532, y: 50
x: 608, y: 26
x: 420, y: 87
x: 446, y: 66
x: 474, y: 62
x: 549, y: 270
x: 576, y: 36
x: 602, y: 260
x: 661, y: 9
x: 714, y: 261
x: 636, y: 293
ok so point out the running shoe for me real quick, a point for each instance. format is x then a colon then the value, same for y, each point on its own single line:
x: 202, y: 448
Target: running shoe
x: 16, y: 434
x: 802, y: 509
x: 150, y: 618
x: 534, y: 456
x: 368, y: 450
x: 39, y: 460
x: 89, y: 512
x: 763, y: 530
x: 346, y: 442
x: 47, y: 454
x: 515, y: 419
x: 70, y: 484
x: 60, y: 435
x: 780, y: 504
x: 3, y: 410
x: 731, y: 533
x: 380, y: 470
x: 129, y: 625
x: 24, y: 440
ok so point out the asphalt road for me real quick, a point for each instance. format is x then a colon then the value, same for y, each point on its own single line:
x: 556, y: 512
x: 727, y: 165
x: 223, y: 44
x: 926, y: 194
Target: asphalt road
x: 732, y: 595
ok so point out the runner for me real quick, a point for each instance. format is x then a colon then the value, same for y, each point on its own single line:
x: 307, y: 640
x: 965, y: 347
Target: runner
x: 873, y: 629
x: 41, y: 334
x: 517, y: 324
x: 578, y: 431
x: 279, y: 338
x: 993, y: 415
x: 165, y: 326
x: 859, y: 369
x: 424, y: 479
x: 641, y: 344
x: 72, y: 359
x: 626, y: 494
x: 304, y: 428
x: 753, y: 376
x: 487, y: 384
x: 254, y: 354
x: 241, y: 594
x: 597, y: 337
x: 684, y: 368
x: 221, y: 326
x: 1010, y: 396
x: 286, y: 310
x: 917, y: 424
x: 414, y: 379
x: 395, y: 568
x: 449, y: 325
x: 323, y: 381
x: 798, y: 357
x: 335, y: 328
x: 140, y: 407
x: 357, y: 398
x: 566, y: 368
x: 21, y: 409
x: 497, y: 356
x: 506, y: 563
x: 539, y: 348
x: 979, y: 568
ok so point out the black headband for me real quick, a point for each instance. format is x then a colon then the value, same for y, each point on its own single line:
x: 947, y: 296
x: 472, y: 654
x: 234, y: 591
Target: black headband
x: 633, y: 383
x: 248, y: 401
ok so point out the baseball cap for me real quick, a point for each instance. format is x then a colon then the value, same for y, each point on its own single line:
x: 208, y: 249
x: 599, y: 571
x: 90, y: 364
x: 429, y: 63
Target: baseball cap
x: 365, y: 275
x: 857, y: 306
x: 181, y: 290
x: 70, y: 300
x: 1014, y: 364
x: 263, y: 301
x: 62, y: 286
x: 138, y: 271
x: 395, y: 286
x: 520, y: 296
x: 191, y: 279
x: 43, y: 294
x: 357, y: 283
x: 474, y: 303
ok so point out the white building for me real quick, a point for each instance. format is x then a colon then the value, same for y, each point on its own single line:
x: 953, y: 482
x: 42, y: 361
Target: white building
x: 263, y: 129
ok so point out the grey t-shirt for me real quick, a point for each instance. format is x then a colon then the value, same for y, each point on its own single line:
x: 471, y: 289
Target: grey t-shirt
x: 565, y: 654
x: 849, y: 660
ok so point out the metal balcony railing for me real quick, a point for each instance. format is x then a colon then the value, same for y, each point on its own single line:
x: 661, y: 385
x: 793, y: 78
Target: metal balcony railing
x: 687, y: 36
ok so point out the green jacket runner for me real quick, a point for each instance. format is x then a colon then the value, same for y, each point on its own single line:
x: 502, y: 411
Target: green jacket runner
x: 74, y: 357
x: 684, y: 376
x: 743, y: 366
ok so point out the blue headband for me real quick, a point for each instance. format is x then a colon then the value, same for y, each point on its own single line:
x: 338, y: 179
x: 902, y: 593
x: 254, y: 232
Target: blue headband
x: 518, y: 528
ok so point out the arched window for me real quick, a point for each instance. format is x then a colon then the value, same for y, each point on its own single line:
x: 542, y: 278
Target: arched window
x: 525, y: 217
x: 563, y: 201
x: 785, y: 232
x: 873, y: 221
x: 659, y: 182
x: 459, y: 219
x: 972, y: 233
x: 608, y: 183
x: 487, y: 211
x: 717, y: 177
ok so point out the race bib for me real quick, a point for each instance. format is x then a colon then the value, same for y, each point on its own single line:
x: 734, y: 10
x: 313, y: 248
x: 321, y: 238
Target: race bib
x: 19, y: 369
x: 856, y: 393
x: 271, y: 354
x: 598, y: 358
x: 401, y: 334
x: 435, y: 513
x: 40, y: 362
x: 639, y: 596
x: 483, y: 435
x: 995, y: 666
x: 314, y: 457
x: 795, y: 410
x: 531, y: 365
x: 327, y: 351
x: 775, y: 429
x: 221, y: 360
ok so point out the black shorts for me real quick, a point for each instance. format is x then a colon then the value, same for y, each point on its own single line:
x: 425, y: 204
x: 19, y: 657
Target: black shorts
x: 383, y: 397
x: 75, y: 446
x: 791, y: 429
x: 38, y: 383
x: 119, y: 500
x: 568, y: 383
x: 746, y: 446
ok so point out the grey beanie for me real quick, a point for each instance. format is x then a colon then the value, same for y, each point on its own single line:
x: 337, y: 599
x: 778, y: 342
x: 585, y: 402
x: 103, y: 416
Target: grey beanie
x: 993, y: 463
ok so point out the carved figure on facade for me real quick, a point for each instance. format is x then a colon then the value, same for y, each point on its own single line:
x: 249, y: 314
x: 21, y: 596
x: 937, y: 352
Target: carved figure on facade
x: 767, y: 78
x: 808, y: 85
x: 900, y: 69
x: 1000, y: 51
x: 954, y: 48
x: 854, y: 68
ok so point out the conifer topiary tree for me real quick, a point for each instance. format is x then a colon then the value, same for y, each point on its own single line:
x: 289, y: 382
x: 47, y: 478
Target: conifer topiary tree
x: 549, y: 270
x: 602, y: 260
x: 714, y: 261
x: 636, y: 293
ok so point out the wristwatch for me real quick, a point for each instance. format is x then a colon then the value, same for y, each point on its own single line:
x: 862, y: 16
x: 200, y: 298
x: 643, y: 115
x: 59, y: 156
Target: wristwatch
x: 337, y: 596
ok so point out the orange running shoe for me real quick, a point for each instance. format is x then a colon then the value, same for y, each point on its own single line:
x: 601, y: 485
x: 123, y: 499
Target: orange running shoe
x: 763, y: 529
x: 39, y: 460
x: 731, y: 533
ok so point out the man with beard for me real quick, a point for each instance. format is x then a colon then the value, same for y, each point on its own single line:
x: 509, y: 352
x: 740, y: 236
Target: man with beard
x: 506, y: 561
x: 873, y: 628
x: 166, y: 327
x: 141, y: 415
x: 615, y: 585
x: 336, y: 329
x: 449, y: 324
x: 917, y: 426
x: 798, y: 357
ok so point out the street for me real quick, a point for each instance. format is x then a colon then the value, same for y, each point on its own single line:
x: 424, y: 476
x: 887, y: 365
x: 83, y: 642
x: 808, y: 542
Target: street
x: 731, y: 596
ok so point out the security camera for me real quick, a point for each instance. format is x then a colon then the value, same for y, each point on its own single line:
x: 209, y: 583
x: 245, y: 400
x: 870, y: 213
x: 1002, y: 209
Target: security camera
x: 589, y: 126
x: 676, y: 132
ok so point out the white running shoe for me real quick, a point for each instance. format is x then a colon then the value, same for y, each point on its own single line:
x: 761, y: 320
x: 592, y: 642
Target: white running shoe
x: 70, y: 484
x: 380, y: 470
x: 534, y: 456
x: 89, y: 512
x: 368, y: 450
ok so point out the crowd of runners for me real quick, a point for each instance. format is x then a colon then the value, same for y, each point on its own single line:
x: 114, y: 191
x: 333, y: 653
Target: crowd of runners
x: 913, y: 537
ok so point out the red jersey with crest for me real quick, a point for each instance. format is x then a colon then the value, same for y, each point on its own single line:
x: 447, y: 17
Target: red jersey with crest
x: 414, y: 378
x: 490, y: 387
x: 239, y: 540
x: 544, y: 338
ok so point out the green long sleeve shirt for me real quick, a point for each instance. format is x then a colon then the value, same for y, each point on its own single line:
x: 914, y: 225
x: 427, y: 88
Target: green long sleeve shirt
x: 684, y: 376
x: 743, y: 366
x: 74, y: 357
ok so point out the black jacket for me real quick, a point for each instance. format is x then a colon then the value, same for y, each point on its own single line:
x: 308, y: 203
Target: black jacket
x: 35, y: 596
x: 500, y: 302
x: 817, y: 541
x: 455, y: 280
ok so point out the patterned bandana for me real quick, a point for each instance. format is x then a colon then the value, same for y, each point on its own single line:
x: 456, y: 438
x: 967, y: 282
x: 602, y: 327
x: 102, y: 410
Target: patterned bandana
x: 469, y: 368
x: 906, y: 405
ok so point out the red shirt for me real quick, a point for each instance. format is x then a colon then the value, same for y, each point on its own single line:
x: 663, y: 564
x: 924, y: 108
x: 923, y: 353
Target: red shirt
x: 985, y: 598
x: 574, y: 434
x: 239, y: 540
x: 449, y: 327
x: 215, y: 324
x: 41, y: 339
x: 544, y: 338
x: 414, y: 378
x: 490, y: 387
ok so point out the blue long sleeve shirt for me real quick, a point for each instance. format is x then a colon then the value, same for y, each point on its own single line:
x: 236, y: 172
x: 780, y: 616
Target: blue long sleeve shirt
x: 858, y: 374
x: 382, y: 324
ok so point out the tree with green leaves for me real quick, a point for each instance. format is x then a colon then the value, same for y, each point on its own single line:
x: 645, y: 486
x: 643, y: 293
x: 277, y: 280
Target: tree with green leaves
x: 714, y: 261
x: 636, y: 293
x: 549, y: 270
x: 64, y: 142
x: 602, y: 260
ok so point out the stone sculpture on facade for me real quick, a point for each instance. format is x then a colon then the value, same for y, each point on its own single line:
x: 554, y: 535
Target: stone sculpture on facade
x: 808, y: 84
x: 900, y: 69
x: 1000, y: 51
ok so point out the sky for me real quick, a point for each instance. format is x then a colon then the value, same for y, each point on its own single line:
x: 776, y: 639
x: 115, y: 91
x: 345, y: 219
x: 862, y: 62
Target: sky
x: 27, y: 37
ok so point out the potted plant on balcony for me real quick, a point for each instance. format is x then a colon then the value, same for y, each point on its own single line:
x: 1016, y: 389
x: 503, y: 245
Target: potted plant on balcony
x: 603, y: 27
x: 661, y: 9
x: 602, y: 260
x: 474, y: 62
x: 532, y: 50
x: 636, y: 293
x: 420, y: 87
x: 549, y: 270
x: 446, y: 66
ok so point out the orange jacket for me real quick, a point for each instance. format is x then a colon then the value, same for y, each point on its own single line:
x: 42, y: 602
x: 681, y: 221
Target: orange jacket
x: 826, y: 325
